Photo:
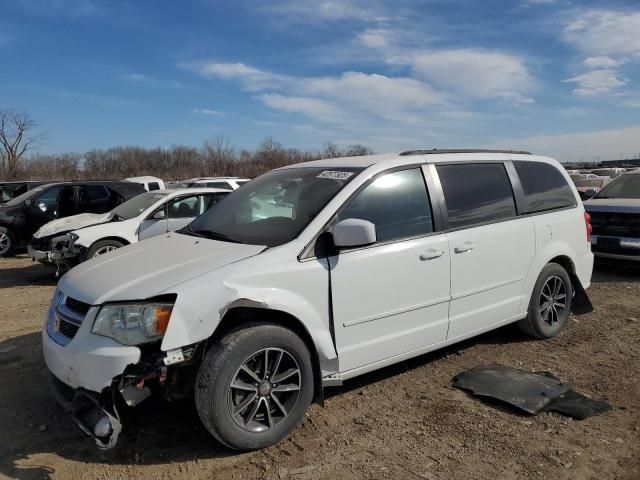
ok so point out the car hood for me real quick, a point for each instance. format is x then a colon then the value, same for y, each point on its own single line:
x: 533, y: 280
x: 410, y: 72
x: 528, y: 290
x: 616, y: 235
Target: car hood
x: 617, y: 205
x: 73, y: 222
x: 150, y: 268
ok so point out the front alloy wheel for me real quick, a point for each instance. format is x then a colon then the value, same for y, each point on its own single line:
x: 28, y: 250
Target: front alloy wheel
x: 264, y: 389
x: 254, y: 385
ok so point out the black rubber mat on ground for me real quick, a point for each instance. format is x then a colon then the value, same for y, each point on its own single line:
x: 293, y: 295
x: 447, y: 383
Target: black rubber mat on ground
x: 532, y: 392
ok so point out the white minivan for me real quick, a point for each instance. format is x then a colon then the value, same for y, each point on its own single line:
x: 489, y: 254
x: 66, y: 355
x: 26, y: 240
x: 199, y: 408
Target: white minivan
x: 313, y: 274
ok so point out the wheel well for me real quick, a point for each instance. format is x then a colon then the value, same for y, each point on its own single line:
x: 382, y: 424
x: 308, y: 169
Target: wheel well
x: 117, y: 239
x: 566, y: 263
x: 235, y: 318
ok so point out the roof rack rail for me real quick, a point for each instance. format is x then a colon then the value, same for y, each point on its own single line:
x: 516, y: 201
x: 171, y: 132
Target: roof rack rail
x: 460, y: 150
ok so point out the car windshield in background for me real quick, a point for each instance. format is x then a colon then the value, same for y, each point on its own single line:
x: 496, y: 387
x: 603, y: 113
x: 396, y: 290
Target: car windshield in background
x: 274, y: 208
x: 134, y: 207
x: 625, y: 186
x: 596, y: 183
x: 21, y: 198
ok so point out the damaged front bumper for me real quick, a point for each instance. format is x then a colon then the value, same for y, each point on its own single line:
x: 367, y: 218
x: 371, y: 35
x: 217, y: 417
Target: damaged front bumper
x: 78, y: 379
x: 60, y: 251
x: 96, y: 415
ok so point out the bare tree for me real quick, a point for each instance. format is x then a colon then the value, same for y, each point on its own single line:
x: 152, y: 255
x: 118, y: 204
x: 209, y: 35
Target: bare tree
x: 17, y: 136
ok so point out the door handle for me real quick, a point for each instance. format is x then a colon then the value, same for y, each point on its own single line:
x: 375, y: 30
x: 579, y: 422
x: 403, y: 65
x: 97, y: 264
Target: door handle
x: 465, y: 247
x: 430, y: 254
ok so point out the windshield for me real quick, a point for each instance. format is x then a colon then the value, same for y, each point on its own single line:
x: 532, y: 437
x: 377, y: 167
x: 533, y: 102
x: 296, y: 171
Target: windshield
x: 625, y: 186
x: 598, y: 183
x: 134, y: 207
x: 21, y: 198
x: 274, y: 208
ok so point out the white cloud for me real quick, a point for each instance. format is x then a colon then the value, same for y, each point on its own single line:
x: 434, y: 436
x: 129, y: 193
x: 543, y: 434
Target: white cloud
x: 596, y: 82
x: 312, y: 107
x: 252, y: 78
x: 603, y: 62
x: 475, y: 73
x: 206, y: 111
x: 375, y: 37
x: 605, y: 32
x: 325, y: 10
x: 606, y: 144
x: 374, y: 92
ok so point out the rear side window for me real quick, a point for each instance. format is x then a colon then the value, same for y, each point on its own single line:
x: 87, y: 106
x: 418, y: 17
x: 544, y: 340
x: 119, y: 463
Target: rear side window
x: 396, y: 203
x: 153, y: 186
x: 476, y: 193
x: 223, y: 185
x: 545, y: 188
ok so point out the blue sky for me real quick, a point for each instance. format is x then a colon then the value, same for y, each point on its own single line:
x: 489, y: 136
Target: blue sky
x: 555, y: 76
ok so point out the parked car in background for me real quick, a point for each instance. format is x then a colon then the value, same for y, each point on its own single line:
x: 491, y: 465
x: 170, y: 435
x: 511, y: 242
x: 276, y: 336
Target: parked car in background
x: 9, y: 190
x: 148, y: 182
x: 608, y: 172
x: 71, y: 240
x: 23, y: 215
x: 591, y: 186
x: 227, y: 183
x: 360, y: 263
x: 581, y: 176
x: 615, y: 217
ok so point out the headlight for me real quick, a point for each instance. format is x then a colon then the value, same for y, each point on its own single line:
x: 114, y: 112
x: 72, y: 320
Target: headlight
x: 133, y: 324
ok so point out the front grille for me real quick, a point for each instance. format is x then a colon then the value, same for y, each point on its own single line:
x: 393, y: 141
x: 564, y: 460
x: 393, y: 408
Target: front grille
x: 615, y: 224
x: 77, y: 306
x: 65, y: 318
x: 68, y: 329
x: 41, y: 244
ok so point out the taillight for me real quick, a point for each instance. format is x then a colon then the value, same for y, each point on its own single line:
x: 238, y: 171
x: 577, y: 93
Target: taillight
x: 587, y: 223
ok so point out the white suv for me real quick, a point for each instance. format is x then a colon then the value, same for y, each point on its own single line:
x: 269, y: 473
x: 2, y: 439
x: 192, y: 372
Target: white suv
x: 313, y: 274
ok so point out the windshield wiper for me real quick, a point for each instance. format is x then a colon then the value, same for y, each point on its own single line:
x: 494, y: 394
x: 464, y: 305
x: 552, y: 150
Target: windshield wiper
x: 210, y: 234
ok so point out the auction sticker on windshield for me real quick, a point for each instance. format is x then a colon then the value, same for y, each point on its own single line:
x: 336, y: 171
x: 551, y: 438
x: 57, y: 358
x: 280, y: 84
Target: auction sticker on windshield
x: 335, y: 174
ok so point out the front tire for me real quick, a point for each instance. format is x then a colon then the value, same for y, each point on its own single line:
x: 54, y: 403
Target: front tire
x: 103, y: 246
x: 8, y: 242
x: 254, y: 386
x: 550, y: 303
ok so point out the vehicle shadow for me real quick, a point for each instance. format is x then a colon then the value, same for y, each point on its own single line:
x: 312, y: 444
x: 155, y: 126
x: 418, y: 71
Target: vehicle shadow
x: 33, y: 273
x: 158, y: 432
x: 500, y: 336
x: 615, y: 271
x: 32, y: 423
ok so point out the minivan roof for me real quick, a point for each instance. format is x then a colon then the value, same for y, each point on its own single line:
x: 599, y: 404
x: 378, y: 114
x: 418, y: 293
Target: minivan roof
x: 409, y: 157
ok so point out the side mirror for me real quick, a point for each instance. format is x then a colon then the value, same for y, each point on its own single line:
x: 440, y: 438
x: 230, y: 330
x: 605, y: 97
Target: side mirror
x: 353, y: 232
x: 159, y: 215
x: 42, y: 207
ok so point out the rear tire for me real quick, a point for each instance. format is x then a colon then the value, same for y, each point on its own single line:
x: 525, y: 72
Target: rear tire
x: 103, y: 246
x: 241, y: 403
x: 550, y: 303
x: 8, y: 242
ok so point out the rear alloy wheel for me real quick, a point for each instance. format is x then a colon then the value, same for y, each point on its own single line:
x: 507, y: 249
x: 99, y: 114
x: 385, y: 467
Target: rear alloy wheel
x: 7, y: 242
x: 550, y: 303
x: 254, y: 386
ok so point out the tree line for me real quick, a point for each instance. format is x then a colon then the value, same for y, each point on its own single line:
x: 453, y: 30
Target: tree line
x: 19, y: 136
x: 214, y: 158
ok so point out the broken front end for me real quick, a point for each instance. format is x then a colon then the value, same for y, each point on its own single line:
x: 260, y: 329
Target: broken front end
x: 58, y: 250
x: 105, y: 359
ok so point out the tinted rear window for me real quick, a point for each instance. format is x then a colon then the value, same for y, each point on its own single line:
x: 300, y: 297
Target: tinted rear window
x: 545, y: 188
x: 476, y: 193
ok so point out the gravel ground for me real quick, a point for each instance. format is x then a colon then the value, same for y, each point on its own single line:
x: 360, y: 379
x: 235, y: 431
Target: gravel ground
x: 404, y: 421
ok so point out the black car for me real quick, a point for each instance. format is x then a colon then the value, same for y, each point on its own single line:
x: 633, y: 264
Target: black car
x: 22, y: 216
x: 9, y: 190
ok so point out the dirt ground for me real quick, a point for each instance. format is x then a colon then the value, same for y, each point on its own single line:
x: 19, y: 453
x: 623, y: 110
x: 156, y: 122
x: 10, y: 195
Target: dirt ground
x: 401, y: 422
